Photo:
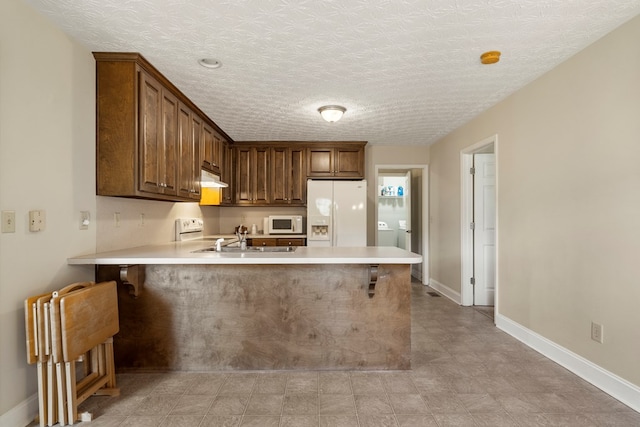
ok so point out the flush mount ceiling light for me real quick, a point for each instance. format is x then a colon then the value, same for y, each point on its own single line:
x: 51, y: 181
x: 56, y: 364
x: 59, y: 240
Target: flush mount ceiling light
x: 332, y: 113
x: 490, y: 57
x: 210, y: 63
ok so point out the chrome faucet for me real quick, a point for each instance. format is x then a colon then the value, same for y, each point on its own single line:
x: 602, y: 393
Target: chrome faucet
x: 242, y: 238
x: 219, y: 245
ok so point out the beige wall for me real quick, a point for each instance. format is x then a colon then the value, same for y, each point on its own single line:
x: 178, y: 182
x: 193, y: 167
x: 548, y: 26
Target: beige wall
x: 395, y: 155
x: 47, y: 162
x: 568, y: 202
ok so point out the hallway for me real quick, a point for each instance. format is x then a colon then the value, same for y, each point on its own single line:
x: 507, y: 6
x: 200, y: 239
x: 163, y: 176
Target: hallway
x: 465, y: 372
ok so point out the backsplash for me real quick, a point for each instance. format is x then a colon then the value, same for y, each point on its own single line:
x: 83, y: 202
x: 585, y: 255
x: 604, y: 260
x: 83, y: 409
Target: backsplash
x: 231, y: 217
x: 147, y: 222
x: 144, y: 222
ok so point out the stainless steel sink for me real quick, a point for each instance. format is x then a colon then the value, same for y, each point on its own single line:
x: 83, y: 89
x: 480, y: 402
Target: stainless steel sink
x: 250, y: 249
x: 274, y: 248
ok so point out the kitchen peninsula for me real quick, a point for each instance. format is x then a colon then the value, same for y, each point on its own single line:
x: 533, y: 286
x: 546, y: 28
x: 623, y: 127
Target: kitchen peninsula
x: 312, y: 308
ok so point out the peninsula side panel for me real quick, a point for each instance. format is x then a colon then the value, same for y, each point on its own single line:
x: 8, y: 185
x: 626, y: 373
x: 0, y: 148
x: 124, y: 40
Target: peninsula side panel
x: 256, y: 317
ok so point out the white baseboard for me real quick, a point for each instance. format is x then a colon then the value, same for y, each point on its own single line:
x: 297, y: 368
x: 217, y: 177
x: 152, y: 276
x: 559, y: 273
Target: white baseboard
x: 22, y: 414
x: 446, y: 291
x: 610, y: 383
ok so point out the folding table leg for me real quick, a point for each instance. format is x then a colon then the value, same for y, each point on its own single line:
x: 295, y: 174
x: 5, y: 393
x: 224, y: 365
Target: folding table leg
x: 111, y: 369
x: 52, y: 402
x: 42, y: 393
x: 72, y: 406
x: 62, y: 393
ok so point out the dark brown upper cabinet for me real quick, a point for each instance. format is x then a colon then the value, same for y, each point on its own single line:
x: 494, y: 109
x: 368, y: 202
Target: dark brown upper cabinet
x: 150, y: 138
x: 338, y: 160
x: 252, y: 175
x: 288, y: 176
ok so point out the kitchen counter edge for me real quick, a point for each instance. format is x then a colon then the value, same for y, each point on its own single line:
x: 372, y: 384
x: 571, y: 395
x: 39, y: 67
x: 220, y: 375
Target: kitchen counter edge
x: 183, y: 253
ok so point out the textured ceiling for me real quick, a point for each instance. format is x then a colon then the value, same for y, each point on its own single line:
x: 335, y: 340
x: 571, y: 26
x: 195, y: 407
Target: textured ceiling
x: 407, y: 71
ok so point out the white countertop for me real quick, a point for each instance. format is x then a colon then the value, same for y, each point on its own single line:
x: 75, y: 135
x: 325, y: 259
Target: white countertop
x: 182, y: 253
x: 259, y: 236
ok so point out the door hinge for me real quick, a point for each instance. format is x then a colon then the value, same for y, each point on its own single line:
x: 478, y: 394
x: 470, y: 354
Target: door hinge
x: 472, y: 171
x: 472, y: 225
x: 473, y: 280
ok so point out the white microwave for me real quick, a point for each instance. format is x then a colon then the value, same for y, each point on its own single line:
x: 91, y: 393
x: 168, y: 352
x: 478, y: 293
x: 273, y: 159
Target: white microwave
x: 284, y: 224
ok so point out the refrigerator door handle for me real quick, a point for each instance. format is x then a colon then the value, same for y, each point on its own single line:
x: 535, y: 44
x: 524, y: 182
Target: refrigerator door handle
x: 334, y: 219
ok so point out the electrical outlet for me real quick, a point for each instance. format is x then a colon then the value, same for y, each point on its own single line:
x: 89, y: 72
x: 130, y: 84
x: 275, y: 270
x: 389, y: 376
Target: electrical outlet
x: 116, y: 219
x: 243, y: 219
x: 597, y: 332
x: 37, y: 220
x: 8, y: 221
x: 141, y: 220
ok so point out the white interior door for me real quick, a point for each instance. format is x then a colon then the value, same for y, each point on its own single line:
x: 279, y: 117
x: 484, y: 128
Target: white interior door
x: 407, y: 207
x: 484, y: 236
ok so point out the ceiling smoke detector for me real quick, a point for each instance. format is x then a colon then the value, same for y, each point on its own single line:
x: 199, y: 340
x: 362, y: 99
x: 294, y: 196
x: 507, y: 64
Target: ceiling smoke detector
x: 490, y: 57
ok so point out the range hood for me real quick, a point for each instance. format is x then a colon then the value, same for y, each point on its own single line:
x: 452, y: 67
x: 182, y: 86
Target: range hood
x: 211, y: 188
x: 210, y: 180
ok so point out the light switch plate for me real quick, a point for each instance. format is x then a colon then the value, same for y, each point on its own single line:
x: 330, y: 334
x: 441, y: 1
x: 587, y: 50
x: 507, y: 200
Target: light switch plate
x: 8, y: 221
x: 85, y: 220
x: 37, y: 220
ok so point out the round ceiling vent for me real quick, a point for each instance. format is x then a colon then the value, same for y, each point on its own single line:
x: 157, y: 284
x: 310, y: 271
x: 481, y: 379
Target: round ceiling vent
x: 210, y: 63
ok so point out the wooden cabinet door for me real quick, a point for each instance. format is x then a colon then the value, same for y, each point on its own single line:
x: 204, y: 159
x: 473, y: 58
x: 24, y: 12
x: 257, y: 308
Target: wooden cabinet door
x: 189, y: 146
x: 320, y: 162
x: 336, y: 162
x: 298, y: 184
x: 196, y: 159
x: 261, y: 174
x: 252, y: 175
x: 226, y: 173
x: 207, y: 146
x: 280, y: 176
x: 150, y: 117
x: 243, y: 185
x: 185, y: 165
x: 349, y: 162
x: 167, y: 151
x: 288, y: 176
x: 211, y: 148
x: 158, y: 137
x: 217, y: 151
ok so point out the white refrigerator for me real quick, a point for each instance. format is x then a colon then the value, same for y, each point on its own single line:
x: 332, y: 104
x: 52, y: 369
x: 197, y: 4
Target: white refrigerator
x: 336, y: 213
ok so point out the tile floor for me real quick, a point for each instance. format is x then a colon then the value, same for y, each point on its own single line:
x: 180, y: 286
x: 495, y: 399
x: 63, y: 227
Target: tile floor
x: 465, y: 372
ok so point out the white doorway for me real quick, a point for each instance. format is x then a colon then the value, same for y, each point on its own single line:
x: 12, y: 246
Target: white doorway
x: 402, y: 220
x: 478, y: 168
x: 484, y: 229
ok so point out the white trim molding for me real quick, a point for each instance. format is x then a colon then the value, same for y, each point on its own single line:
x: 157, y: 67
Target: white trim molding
x: 610, y: 383
x: 466, y: 217
x: 445, y: 290
x: 22, y: 414
x: 424, y: 209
